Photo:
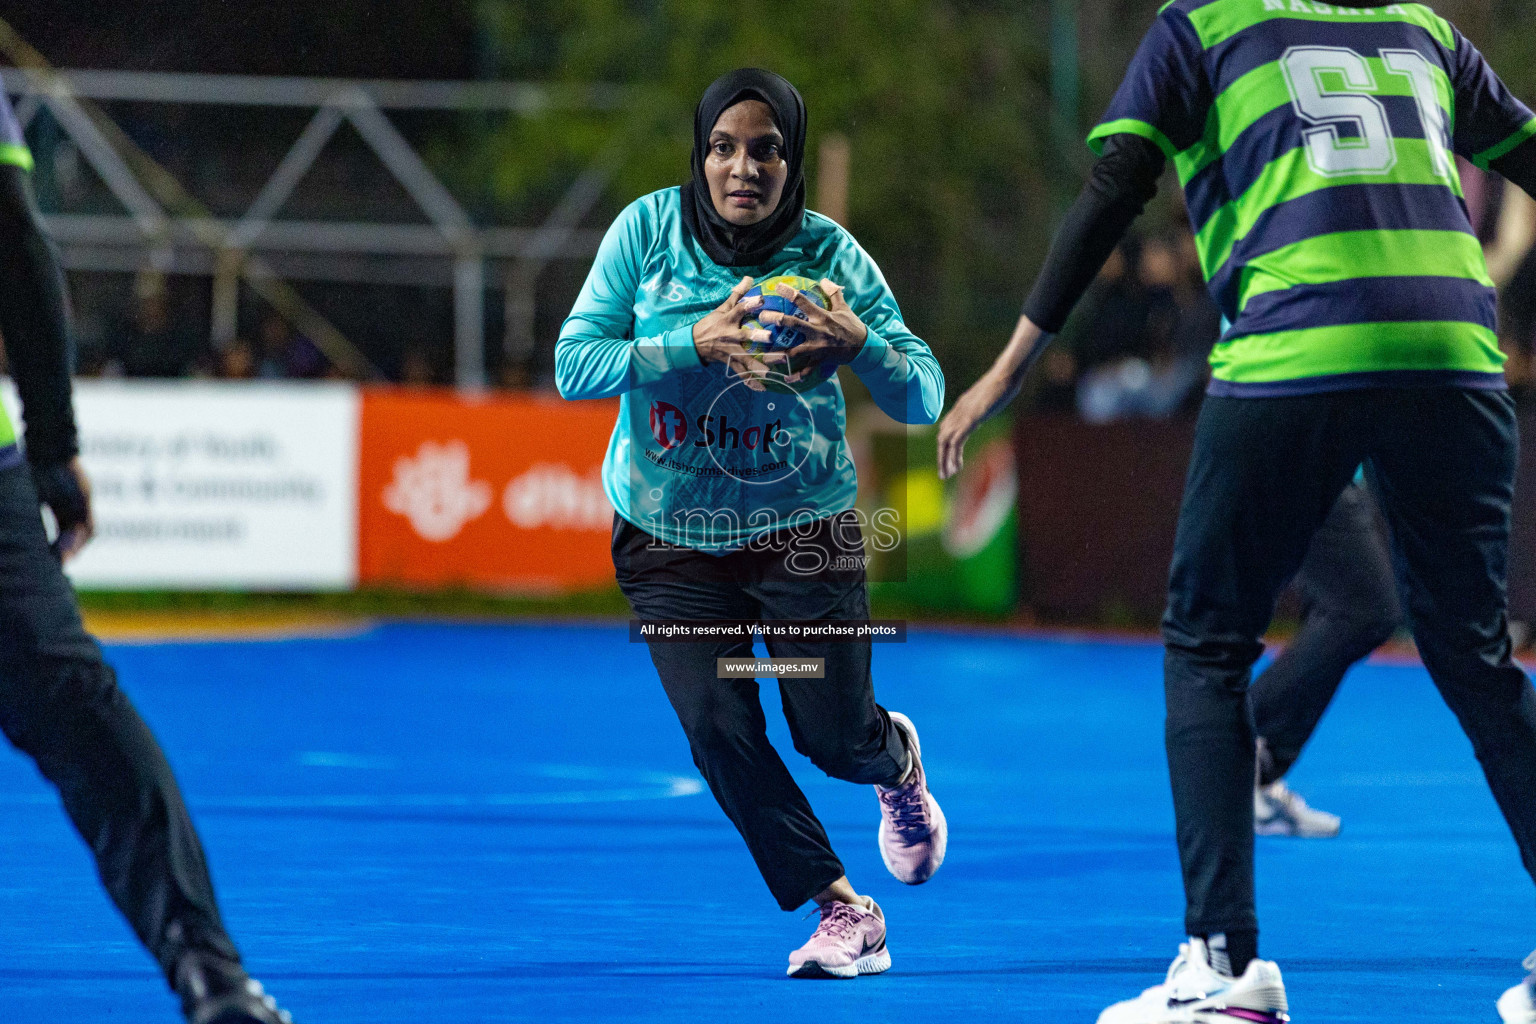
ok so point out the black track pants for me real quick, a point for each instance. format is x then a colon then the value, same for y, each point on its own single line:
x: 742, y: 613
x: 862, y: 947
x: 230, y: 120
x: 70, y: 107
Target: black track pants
x: 61, y: 706
x: 1264, y: 475
x: 834, y: 721
x: 1349, y: 608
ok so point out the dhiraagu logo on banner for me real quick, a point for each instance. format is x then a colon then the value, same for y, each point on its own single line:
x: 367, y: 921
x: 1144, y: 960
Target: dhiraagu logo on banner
x: 434, y: 490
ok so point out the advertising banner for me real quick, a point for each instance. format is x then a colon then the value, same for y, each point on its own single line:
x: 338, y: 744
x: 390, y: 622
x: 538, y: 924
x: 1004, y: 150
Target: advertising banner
x: 218, y: 485
x: 503, y: 493
x: 960, y: 537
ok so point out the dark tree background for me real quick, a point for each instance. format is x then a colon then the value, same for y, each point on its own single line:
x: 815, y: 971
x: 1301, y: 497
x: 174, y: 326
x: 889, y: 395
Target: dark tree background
x: 346, y: 38
x: 957, y: 177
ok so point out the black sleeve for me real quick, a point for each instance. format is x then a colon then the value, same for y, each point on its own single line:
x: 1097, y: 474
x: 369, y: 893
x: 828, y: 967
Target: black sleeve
x: 34, y: 321
x: 1123, y: 181
x: 1519, y: 166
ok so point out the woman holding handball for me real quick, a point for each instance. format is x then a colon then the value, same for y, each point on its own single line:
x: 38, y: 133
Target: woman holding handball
x: 734, y: 488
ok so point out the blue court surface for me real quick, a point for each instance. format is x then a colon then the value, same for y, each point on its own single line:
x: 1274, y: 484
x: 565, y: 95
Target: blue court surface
x: 474, y: 823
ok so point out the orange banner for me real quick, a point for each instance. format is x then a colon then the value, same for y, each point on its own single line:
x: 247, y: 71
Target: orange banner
x: 503, y: 493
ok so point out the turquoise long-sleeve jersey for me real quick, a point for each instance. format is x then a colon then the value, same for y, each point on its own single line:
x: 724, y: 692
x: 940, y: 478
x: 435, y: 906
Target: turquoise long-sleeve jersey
x: 697, y: 458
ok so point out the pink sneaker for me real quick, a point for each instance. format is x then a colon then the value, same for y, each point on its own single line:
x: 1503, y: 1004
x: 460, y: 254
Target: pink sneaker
x: 850, y: 941
x: 913, y: 832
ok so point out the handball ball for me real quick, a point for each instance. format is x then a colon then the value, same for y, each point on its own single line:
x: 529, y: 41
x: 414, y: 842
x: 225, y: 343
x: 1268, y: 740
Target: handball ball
x: 782, y: 337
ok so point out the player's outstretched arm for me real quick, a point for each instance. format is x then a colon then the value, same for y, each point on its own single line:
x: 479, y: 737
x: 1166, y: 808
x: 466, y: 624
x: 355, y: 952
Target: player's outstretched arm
x: 989, y: 395
x: 34, y: 320
x: 1124, y: 180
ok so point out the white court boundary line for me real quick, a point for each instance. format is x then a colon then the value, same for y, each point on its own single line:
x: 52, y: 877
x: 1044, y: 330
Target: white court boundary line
x: 636, y: 786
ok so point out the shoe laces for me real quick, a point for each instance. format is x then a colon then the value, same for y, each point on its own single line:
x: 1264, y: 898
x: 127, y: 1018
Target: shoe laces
x: 909, y: 814
x: 1192, y: 954
x: 1182, y: 962
x: 838, y: 920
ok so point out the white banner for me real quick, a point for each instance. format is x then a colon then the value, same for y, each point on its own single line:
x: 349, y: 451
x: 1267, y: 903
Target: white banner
x: 219, y: 484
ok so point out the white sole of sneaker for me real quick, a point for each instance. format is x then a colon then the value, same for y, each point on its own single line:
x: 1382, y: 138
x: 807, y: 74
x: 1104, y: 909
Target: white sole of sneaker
x: 875, y: 963
x: 1515, y: 1006
x: 1207, y: 1017
x: 1190, y: 1015
x: 1291, y: 832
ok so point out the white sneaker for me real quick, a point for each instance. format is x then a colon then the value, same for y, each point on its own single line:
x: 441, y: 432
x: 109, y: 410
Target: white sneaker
x: 1518, y: 1005
x: 1196, y: 993
x: 1277, y: 811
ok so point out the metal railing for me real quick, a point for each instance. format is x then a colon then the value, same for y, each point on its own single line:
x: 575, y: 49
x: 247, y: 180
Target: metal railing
x: 258, y: 246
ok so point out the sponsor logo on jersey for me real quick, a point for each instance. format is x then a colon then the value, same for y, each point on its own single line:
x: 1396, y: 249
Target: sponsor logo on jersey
x: 721, y: 433
x: 668, y: 424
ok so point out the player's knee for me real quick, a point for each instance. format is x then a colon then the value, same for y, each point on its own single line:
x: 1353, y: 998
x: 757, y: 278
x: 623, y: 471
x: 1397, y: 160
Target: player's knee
x: 1461, y: 645
x: 1379, y: 616
x: 79, y: 683
x: 833, y: 754
x: 1361, y: 633
x: 62, y: 705
x: 1226, y: 654
x: 1471, y: 666
x: 714, y: 731
x: 60, y: 686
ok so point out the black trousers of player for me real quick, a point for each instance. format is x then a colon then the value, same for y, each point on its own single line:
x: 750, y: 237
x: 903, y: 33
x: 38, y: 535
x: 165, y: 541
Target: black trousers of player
x: 834, y: 721
x: 1349, y: 607
x: 61, y: 706
x: 1263, y: 477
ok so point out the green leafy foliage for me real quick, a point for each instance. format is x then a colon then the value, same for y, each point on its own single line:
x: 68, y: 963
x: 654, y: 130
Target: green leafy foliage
x: 957, y: 176
x: 943, y: 104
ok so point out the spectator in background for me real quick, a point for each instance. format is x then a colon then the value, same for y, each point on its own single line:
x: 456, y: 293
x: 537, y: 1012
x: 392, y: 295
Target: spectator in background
x: 1057, y: 390
x: 1164, y: 331
x: 153, y: 343
x: 416, y: 368
x: 287, y: 354
x: 238, y: 361
x: 1506, y: 224
x: 1518, y: 323
x: 1093, y: 337
x: 1199, y: 325
x: 1118, y: 311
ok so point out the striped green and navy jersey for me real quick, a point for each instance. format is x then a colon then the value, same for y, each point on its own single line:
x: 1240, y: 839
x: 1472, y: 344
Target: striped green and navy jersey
x: 1316, y: 145
x: 13, y: 151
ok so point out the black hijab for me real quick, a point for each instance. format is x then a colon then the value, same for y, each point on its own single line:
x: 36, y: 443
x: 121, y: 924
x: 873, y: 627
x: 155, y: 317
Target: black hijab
x: 727, y: 244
